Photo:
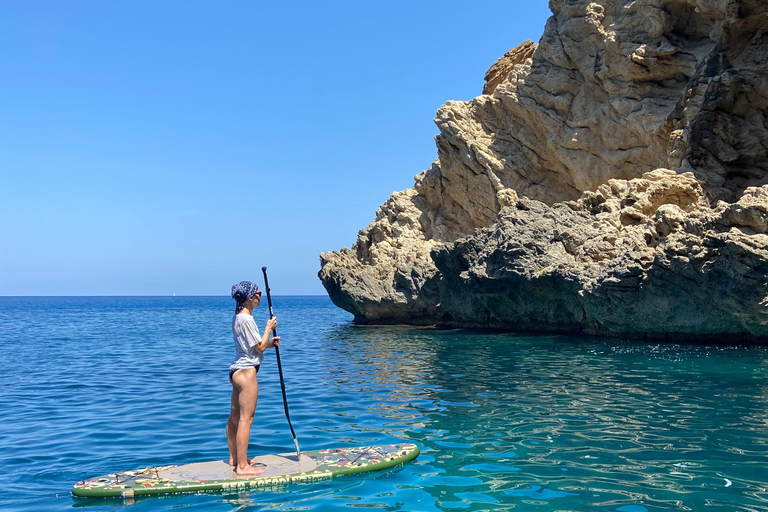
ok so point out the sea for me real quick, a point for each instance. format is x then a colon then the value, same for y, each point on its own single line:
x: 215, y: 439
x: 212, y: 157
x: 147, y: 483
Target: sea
x: 505, y: 421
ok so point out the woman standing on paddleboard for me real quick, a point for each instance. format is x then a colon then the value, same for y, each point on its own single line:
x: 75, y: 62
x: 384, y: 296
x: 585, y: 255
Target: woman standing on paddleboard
x: 249, y: 353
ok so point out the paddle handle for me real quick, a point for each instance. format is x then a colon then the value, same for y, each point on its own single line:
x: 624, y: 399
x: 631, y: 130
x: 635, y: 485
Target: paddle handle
x: 280, y: 368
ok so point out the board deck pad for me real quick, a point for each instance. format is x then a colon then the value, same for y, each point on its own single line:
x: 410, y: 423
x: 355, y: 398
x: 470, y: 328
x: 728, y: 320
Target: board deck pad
x: 218, y: 475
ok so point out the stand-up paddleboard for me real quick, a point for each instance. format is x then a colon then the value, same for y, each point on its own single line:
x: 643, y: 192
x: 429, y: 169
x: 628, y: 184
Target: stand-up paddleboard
x: 218, y: 475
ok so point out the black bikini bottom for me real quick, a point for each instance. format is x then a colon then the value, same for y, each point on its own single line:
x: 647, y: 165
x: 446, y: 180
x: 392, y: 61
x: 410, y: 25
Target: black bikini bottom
x: 232, y: 372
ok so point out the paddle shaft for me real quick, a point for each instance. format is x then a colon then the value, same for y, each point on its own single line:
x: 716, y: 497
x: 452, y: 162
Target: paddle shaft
x: 280, y: 368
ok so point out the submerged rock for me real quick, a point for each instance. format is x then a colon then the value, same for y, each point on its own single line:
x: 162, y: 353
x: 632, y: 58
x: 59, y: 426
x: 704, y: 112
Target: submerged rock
x: 615, y: 181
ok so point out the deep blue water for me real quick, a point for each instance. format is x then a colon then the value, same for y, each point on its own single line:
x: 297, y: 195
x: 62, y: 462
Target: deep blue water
x: 91, y: 385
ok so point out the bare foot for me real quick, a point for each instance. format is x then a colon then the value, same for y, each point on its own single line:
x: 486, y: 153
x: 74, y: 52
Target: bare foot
x: 233, y: 462
x: 249, y: 470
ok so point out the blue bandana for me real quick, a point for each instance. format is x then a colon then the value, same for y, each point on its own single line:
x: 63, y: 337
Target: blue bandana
x: 243, y: 291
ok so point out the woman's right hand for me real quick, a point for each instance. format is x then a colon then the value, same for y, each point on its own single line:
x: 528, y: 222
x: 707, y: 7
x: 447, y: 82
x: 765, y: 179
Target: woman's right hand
x: 271, y: 324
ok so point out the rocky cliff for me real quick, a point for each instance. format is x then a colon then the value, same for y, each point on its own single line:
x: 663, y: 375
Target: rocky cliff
x: 612, y: 179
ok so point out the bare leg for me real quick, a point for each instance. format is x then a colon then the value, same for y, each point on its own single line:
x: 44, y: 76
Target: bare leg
x: 248, y: 394
x: 234, y: 416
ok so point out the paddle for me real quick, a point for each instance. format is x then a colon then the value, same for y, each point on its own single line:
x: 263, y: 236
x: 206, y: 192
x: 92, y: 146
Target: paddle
x: 280, y: 369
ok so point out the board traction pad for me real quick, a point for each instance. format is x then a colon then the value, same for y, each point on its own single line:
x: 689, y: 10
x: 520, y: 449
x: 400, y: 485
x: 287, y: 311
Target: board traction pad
x: 218, y: 475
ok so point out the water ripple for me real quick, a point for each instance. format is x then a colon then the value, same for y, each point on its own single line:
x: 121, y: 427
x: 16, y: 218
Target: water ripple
x: 505, y: 422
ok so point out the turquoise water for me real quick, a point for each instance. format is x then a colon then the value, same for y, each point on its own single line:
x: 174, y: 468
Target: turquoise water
x: 505, y: 422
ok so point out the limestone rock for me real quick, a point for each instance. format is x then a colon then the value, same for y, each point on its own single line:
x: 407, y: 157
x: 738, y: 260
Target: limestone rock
x: 386, y: 275
x: 500, y: 70
x: 617, y: 170
x: 645, y: 258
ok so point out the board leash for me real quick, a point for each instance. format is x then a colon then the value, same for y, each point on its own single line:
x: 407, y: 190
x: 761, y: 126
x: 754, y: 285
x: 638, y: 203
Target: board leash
x: 280, y: 369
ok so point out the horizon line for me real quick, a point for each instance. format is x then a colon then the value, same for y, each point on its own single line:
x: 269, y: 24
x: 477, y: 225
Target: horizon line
x: 173, y: 295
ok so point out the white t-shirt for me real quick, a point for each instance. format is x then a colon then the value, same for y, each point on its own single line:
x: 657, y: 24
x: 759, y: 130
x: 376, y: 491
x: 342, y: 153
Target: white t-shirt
x: 246, y: 335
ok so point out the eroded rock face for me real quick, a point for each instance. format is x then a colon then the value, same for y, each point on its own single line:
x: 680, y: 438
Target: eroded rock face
x: 617, y: 171
x: 646, y: 257
x: 500, y: 70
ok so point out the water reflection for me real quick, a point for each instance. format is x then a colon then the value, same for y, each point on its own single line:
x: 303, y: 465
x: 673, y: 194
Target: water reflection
x: 587, y: 423
x: 505, y: 422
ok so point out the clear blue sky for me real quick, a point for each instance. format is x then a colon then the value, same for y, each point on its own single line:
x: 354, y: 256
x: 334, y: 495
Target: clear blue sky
x: 158, y: 147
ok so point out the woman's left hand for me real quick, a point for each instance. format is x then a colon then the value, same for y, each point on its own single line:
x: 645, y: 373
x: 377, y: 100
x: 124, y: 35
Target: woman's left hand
x: 275, y: 341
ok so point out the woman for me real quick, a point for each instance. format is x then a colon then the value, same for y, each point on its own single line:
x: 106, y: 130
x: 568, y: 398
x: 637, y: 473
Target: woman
x: 249, y: 353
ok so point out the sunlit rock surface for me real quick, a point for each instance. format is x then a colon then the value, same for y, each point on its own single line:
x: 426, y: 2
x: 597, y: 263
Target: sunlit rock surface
x: 611, y: 181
